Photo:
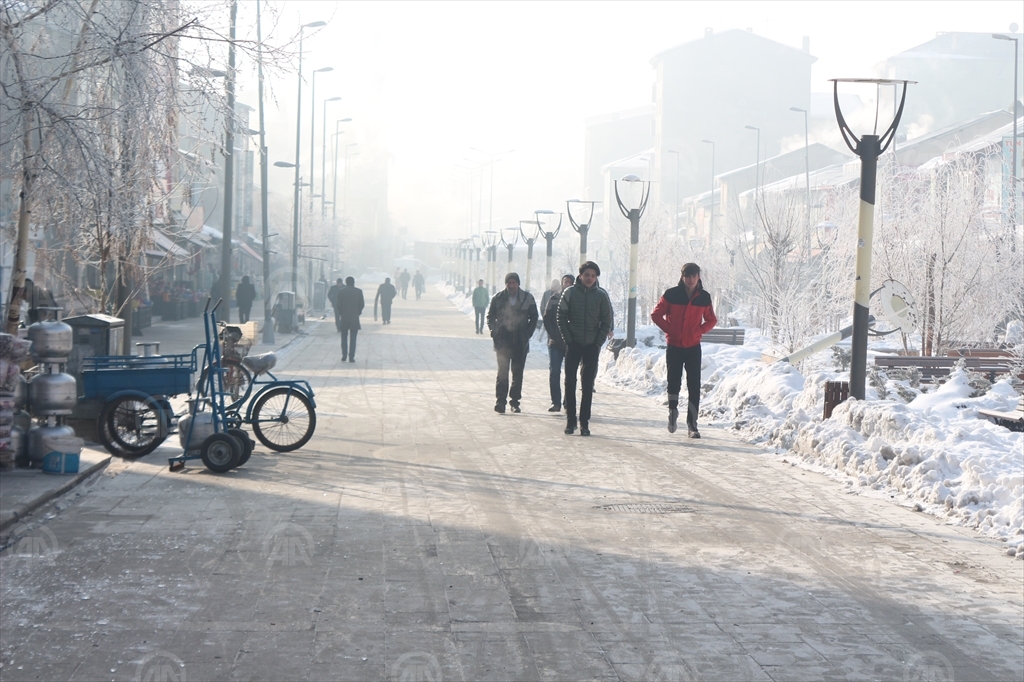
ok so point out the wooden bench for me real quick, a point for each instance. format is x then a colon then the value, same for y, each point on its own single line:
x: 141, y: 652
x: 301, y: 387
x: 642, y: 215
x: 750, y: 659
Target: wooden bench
x: 732, y: 336
x: 937, y: 367
x: 1011, y: 420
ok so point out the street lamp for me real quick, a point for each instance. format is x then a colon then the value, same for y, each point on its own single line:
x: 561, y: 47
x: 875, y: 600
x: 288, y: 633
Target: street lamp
x: 312, y: 132
x: 509, y: 239
x: 1014, y: 175
x: 490, y: 242
x: 298, y: 161
x: 807, y: 166
x: 334, y: 166
x: 757, y: 159
x: 490, y: 200
x: 711, y: 229
x: 531, y: 239
x: 323, y: 157
x: 581, y: 227
x: 868, y: 148
x: 633, y: 213
x: 675, y: 217
x: 549, y: 237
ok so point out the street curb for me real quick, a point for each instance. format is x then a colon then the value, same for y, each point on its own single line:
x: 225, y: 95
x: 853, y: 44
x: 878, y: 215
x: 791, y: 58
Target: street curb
x: 9, y: 518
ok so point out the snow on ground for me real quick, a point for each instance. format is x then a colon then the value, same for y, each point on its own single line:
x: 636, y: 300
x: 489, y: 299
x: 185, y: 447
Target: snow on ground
x: 927, y: 450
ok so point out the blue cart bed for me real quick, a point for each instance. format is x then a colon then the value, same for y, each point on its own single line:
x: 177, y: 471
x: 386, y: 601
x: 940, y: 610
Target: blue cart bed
x: 165, y: 375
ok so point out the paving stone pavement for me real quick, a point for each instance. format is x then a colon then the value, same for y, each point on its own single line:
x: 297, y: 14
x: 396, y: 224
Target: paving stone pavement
x: 420, y: 536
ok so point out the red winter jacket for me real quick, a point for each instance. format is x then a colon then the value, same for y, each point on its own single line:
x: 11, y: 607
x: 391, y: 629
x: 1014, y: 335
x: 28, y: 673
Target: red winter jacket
x: 684, y: 319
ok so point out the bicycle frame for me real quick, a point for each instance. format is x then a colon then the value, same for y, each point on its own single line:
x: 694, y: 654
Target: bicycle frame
x: 299, y: 386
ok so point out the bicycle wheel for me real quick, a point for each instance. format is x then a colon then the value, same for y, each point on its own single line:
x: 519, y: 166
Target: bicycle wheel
x: 134, y: 424
x: 237, y: 382
x: 283, y: 419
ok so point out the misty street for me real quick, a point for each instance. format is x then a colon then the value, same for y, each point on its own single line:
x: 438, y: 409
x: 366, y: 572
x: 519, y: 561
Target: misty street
x: 421, y: 536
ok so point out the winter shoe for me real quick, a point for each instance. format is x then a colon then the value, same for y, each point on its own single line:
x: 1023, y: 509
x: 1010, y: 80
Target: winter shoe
x: 515, y: 409
x: 570, y: 426
x: 351, y: 359
x: 584, y: 429
x: 499, y: 408
x: 693, y: 432
x: 673, y: 416
x: 555, y: 408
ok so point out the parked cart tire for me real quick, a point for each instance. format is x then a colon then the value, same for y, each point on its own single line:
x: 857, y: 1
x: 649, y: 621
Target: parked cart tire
x: 221, y: 452
x: 237, y: 382
x: 246, y: 443
x: 133, y: 425
x: 283, y: 419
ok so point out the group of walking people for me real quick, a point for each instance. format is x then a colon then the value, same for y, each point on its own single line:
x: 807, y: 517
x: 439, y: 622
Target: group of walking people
x: 577, y: 316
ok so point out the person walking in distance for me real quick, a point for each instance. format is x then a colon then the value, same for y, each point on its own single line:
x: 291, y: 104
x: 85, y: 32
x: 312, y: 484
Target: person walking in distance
x: 556, y: 344
x: 481, y: 297
x: 403, y: 282
x: 419, y: 285
x: 245, y: 294
x: 350, y: 306
x: 385, y: 294
x: 332, y: 296
x: 512, y: 318
x: 584, y: 320
x: 685, y: 314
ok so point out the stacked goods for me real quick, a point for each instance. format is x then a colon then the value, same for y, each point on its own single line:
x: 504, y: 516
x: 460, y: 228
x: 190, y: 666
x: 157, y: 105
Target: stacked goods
x: 12, y: 351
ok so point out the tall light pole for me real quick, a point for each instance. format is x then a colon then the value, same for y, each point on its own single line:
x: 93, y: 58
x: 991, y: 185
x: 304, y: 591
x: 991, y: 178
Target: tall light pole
x: 549, y: 237
x: 224, y: 281
x: 344, y: 208
x: 490, y: 200
x: 334, y: 167
x: 323, y: 158
x: 531, y: 238
x: 757, y: 159
x: 868, y: 148
x: 711, y: 229
x: 675, y: 217
x: 312, y: 134
x: 1014, y: 174
x: 509, y: 239
x: 807, y: 166
x: 633, y: 213
x: 268, y: 326
x: 298, y: 161
x: 581, y: 227
x: 480, y: 202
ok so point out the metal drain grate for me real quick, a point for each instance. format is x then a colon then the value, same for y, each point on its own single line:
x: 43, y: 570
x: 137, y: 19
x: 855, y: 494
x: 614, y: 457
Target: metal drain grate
x: 648, y: 508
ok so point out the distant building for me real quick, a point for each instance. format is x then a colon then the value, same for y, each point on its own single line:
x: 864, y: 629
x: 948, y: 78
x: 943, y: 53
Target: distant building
x: 610, y: 137
x: 959, y: 76
x: 710, y: 89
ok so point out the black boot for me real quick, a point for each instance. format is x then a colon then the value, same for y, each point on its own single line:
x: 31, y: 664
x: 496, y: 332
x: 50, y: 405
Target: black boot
x: 584, y: 428
x: 570, y: 425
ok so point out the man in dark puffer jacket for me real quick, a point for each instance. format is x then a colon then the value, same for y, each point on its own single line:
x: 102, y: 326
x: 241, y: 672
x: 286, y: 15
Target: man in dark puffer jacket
x: 684, y: 313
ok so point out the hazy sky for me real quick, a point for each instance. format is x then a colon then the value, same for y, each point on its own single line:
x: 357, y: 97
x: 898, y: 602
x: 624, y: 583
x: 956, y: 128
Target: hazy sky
x: 433, y: 79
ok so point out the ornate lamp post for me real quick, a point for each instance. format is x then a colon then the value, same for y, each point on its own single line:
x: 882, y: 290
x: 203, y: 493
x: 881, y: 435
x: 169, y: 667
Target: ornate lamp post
x: 549, y: 237
x: 581, y: 227
x: 633, y: 213
x: 490, y: 242
x: 531, y: 238
x: 509, y: 239
x: 868, y: 148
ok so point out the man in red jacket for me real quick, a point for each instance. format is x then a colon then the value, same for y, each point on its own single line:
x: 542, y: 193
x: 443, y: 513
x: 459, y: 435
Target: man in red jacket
x: 684, y: 313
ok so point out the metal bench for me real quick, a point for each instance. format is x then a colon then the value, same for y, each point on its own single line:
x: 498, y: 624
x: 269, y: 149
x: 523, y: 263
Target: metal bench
x: 1011, y: 420
x: 732, y: 336
x: 937, y: 367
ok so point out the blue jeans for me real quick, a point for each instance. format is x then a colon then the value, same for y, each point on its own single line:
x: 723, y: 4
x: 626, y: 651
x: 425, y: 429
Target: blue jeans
x: 555, y: 357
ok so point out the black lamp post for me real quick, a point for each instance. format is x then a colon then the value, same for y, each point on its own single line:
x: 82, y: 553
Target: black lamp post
x: 531, y: 239
x: 868, y: 148
x: 509, y: 239
x: 633, y: 213
x: 490, y: 242
x: 549, y: 237
x: 581, y: 227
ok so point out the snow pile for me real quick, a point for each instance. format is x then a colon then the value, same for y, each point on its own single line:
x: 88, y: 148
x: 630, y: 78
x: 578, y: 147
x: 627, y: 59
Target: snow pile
x: 929, y: 450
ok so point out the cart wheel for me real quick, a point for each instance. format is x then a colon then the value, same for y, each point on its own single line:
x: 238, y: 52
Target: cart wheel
x: 237, y: 381
x: 221, y: 452
x: 133, y: 424
x: 246, y: 442
x: 283, y: 419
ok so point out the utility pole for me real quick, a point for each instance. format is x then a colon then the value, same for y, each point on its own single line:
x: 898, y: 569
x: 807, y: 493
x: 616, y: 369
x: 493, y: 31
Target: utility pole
x: 229, y: 172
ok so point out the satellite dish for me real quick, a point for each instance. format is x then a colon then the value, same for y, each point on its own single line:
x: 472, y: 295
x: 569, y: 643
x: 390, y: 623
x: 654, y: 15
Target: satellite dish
x: 898, y: 306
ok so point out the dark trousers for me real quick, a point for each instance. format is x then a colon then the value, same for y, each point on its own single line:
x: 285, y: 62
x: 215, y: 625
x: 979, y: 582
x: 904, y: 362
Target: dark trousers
x: 677, y: 359
x: 385, y: 312
x: 555, y: 357
x: 337, y: 320
x: 582, y: 359
x: 348, y: 347
x: 243, y: 314
x: 481, y: 314
x: 516, y: 361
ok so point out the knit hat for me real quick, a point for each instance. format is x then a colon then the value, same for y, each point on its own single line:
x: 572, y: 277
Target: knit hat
x: 510, y: 276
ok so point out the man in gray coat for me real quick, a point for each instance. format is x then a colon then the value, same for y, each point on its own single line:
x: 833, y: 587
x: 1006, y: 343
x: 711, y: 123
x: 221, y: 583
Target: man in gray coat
x: 512, y: 318
x: 584, y: 319
x: 350, y: 306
